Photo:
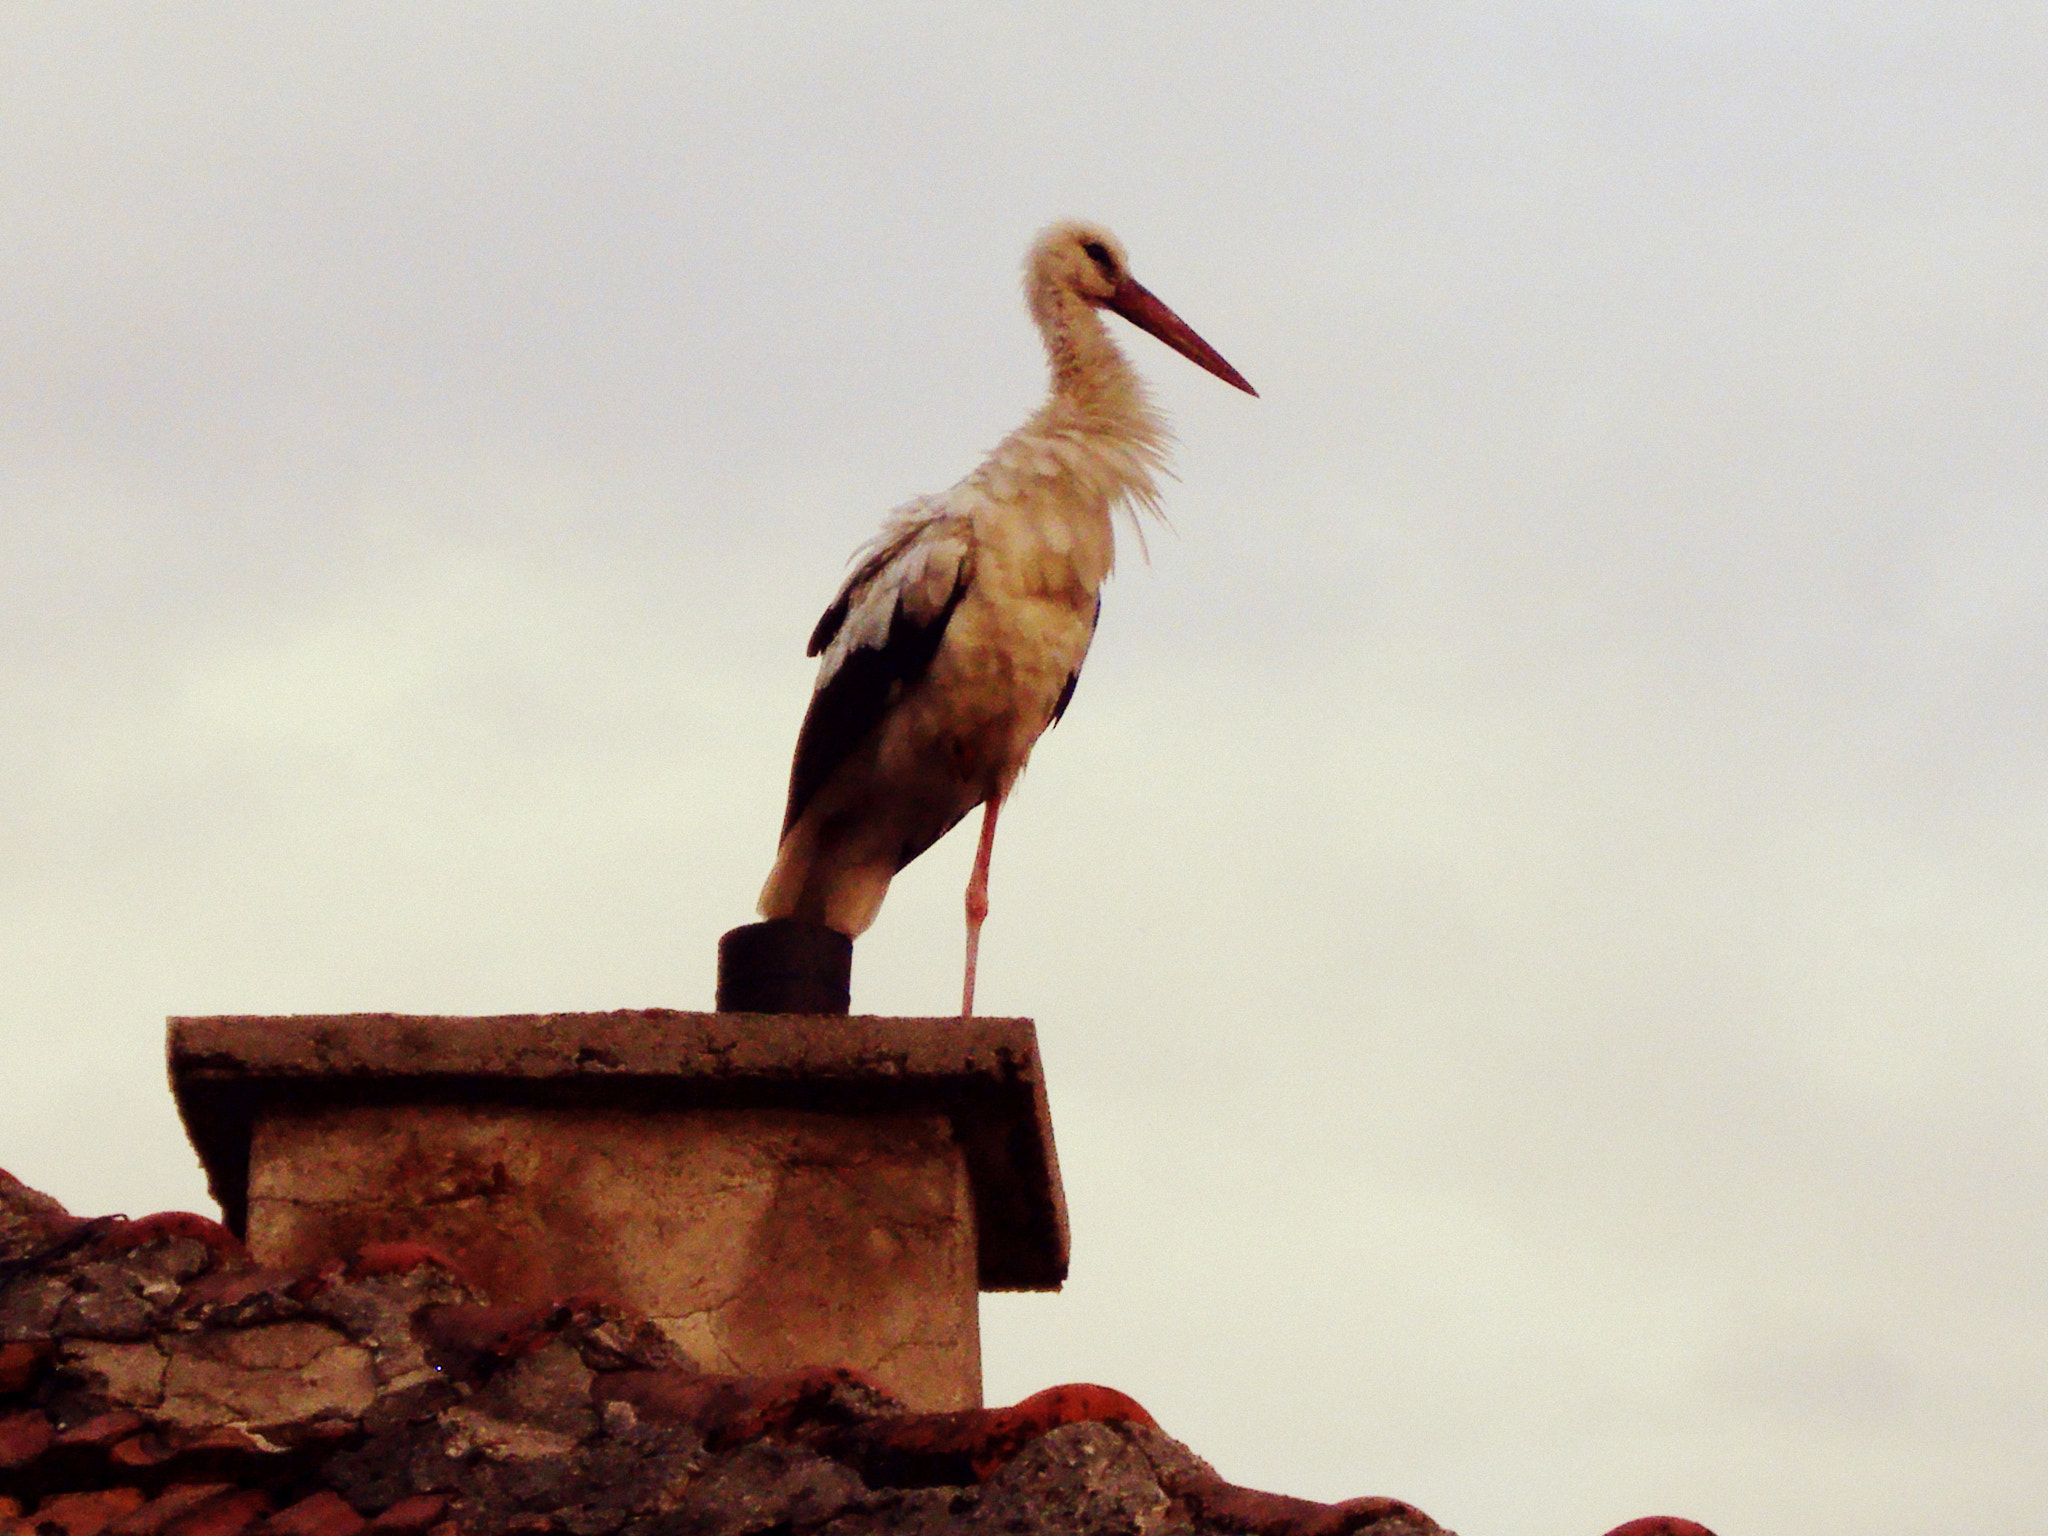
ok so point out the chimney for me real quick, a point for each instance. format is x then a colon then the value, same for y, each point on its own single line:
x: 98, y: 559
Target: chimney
x: 774, y: 1190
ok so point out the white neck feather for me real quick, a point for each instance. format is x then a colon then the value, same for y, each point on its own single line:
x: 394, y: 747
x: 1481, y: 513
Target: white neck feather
x: 1098, y: 406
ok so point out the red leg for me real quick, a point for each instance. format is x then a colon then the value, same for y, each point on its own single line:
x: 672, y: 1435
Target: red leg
x: 977, y: 899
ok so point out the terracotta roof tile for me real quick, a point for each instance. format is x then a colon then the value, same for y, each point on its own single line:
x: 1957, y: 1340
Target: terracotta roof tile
x: 102, y: 1431
x: 229, y: 1515
x: 24, y: 1436
x: 412, y: 1516
x: 173, y: 1504
x: 22, y: 1363
x: 84, y: 1514
x: 323, y: 1514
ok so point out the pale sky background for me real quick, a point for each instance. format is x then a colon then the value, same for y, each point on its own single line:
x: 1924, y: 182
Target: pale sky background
x: 1538, y: 915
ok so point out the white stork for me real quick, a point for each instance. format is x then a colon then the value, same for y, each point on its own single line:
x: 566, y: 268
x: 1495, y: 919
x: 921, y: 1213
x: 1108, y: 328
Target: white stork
x: 960, y: 634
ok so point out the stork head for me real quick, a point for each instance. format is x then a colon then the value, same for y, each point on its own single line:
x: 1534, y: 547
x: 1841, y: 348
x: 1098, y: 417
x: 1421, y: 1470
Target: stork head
x: 1087, y: 262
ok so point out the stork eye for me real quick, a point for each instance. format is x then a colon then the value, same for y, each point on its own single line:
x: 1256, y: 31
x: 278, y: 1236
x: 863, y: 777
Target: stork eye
x: 1098, y: 253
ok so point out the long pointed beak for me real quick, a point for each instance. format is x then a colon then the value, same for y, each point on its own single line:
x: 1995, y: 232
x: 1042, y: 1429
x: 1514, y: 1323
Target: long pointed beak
x: 1139, y: 305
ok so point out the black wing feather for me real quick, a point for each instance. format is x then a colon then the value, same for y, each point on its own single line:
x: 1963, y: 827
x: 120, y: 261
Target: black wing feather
x: 1074, y: 677
x: 851, y: 702
x: 832, y: 618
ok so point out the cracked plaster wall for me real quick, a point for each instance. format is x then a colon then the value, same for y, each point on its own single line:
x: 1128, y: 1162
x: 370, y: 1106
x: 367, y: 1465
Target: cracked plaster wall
x: 758, y: 1239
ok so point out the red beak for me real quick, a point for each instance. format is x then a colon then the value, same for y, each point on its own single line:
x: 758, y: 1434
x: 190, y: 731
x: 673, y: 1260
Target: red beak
x: 1137, y: 304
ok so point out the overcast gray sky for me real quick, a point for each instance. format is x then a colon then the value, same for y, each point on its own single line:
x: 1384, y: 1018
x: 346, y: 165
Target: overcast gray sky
x: 1538, y: 915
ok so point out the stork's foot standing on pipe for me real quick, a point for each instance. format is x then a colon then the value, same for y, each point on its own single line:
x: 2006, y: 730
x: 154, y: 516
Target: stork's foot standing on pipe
x: 977, y: 900
x: 959, y: 637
